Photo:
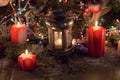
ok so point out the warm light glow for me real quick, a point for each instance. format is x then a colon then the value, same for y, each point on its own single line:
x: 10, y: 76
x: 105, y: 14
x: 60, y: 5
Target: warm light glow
x: 53, y: 28
x: 58, y: 42
x: 96, y: 23
x: 117, y: 20
x: 40, y: 34
x: 73, y: 42
x: 71, y: 22
x: 18, y: 24
x: 47, y: 23
x: 26, y: 52
x: 27, y: 39
x: 60, y: 0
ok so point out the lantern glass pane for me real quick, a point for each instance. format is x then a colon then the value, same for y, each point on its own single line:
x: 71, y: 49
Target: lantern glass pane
x: 68, y: 38
x: 50, y: 36
x: 58, y: 40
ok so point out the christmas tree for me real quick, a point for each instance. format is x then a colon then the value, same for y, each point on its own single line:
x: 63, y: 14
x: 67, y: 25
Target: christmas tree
x: 33, y: 14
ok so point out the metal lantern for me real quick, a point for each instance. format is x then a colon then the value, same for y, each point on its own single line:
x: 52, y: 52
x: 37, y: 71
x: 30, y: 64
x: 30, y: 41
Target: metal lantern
x: 59, y: 33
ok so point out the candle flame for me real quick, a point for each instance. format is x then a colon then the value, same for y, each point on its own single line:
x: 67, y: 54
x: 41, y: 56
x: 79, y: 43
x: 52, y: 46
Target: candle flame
x: 60, y: 41
x: 26, y: 52
x: 96, y: 23
x: 96, y: 27
x: 18, y: 23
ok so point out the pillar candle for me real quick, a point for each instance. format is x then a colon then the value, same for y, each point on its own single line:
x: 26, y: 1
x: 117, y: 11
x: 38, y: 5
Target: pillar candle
x: 18, y: 33
x: 96, y: 41
x: 27, y: 61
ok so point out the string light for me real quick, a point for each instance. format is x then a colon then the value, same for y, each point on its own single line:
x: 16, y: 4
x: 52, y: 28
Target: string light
x: 112, y: 27
x: 24, y: 9
x: 12, y: 19
x: 19, y: 9
x: 22, y: 0
x: 15, y: 13
x: 19, y: 12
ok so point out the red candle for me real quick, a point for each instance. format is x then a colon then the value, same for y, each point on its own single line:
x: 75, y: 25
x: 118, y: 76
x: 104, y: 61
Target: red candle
x: 96, y: 41
x: 18, y: 33
x: 27, y: 61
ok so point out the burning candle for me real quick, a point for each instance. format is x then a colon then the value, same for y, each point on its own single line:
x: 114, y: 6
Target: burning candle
x: 96, y: 40
x: 18, y: 33
x: 60, y: 0
x: 27, y: 60
x: 58, y: 42
x: 74, y: 42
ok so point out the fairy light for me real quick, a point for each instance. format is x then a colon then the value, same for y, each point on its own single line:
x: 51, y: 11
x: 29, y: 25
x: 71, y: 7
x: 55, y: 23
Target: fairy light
x: 19, y: 12
x: 12, y: 19
x: 12, y: 6
x: 24, y: 9
x: 22, y: 0
x: 60, y: 0
x: 19, y: 9
x: 15, y: 13
x: 25, y: 5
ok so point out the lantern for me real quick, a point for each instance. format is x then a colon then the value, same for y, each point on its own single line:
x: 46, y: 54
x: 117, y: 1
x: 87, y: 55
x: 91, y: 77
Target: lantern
x: 59, y: 33
x: 3, y: 3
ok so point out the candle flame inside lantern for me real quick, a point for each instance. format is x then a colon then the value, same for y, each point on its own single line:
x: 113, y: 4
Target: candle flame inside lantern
x: 58, y: 42
x: 26, y: 52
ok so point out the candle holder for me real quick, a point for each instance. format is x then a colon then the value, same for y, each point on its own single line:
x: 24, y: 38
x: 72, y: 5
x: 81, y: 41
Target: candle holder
x: 59, y: 33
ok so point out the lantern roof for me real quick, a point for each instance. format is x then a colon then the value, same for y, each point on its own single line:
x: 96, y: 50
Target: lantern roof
x: 59, y: 19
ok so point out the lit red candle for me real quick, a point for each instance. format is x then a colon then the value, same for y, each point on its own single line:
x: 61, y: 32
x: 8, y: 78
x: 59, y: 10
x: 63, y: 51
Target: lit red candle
x: 96, y: 40
x: 27, y: 60
x: 18, y: 33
